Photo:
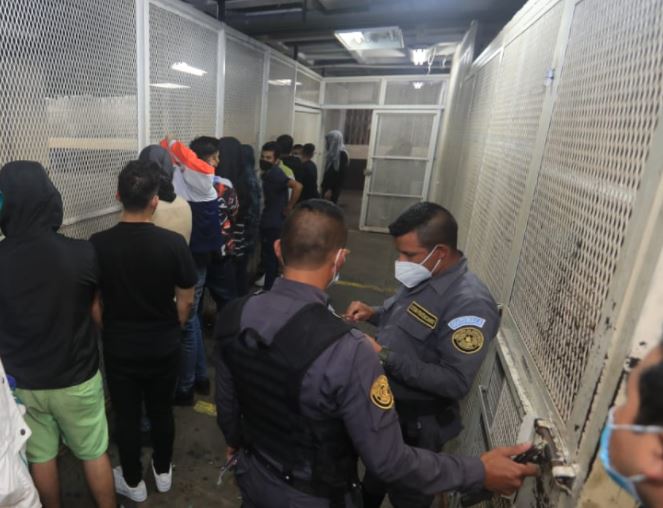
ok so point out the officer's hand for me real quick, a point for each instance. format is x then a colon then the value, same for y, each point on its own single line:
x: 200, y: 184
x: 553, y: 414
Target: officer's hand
x: 359, y: 311
x: 503, y: 475
x: 230, y: 452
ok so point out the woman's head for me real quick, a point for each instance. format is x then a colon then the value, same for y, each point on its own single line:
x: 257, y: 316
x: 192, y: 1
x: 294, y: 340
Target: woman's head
x: 633, y: 453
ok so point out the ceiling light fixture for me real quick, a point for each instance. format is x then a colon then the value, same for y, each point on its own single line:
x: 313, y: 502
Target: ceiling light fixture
x: 188, y: 69
x: 419, y: 56
x: 418, y: 85
x: 169, y: 86
x: 389, y: 37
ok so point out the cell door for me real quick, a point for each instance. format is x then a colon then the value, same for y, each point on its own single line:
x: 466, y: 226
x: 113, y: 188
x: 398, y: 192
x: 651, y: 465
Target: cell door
x: 400, y: 160
x: 308, y: 129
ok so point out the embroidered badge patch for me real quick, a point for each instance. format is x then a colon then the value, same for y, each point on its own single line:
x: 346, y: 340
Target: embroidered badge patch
x: 422, y: 315
x: 381, y: 394
x: 468, y: 340
x: 476, y: 321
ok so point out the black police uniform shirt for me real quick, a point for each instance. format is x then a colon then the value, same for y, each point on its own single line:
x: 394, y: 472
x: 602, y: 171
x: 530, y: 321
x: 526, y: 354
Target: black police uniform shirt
x: 346, y: 381
x: 141, y: 264
x: 437, y: 334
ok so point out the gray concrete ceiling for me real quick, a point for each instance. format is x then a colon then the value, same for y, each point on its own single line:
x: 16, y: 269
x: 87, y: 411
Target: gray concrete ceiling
x: 304, y: 29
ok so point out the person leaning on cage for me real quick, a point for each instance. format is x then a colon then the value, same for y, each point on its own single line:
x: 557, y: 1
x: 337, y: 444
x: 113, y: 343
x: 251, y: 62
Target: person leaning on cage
x: 301, y: 394
x: 432, y: 337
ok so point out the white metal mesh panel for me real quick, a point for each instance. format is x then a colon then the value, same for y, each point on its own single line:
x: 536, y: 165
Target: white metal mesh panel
x: 414, y: 92
x: 404, y: 134
x: 85, y: 228
x: 383, y: 210
x: 68, y: 80
x: 610, y: 93
x: 280, y: 98
x: 190, y: 110
x: 243, y: 92
x: 514, y: 122
x: 347, y: 93
x: 475, y: 132
x: 307, y: 88
x: 398, y: 176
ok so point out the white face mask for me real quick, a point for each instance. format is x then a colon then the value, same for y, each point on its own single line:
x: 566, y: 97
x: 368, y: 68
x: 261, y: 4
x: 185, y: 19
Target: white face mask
x: 412, y: 274
x: 337, y: 274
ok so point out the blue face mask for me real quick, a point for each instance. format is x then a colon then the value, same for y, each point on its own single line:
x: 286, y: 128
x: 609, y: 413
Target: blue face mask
x: 625, y: 482
x: 2, y: 202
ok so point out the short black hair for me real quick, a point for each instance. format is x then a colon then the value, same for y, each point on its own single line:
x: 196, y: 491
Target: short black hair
x: 650, y: 387
x: 297, y: 147
x: 137, y: 184
x: 285, y: 141
x: 308, y: 149
x: 204, y: 146
x: 311, y: 232
x: 272, y: 146
x: 433, y: 224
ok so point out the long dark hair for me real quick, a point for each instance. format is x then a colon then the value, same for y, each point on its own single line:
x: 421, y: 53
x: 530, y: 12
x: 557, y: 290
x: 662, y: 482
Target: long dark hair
x: 232, y: 167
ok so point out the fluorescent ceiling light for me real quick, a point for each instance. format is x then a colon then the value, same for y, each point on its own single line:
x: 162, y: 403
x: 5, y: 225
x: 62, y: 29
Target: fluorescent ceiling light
x: 169, y: 86
x: 389, y: 37
x: 282, y: 82
x: 189, y: 69
x: 419, y: 56
x: 418, y: 85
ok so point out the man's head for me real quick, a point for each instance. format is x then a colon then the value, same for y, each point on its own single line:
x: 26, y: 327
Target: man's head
x: 207, y: 149
x: 633, y: 453
x: 137, y: 187
x: 297, y: 150
x: 285, y: 142
x: 308, y: 151
x: 426, y: 233
x: 271, y: 154
x: 313, y: 242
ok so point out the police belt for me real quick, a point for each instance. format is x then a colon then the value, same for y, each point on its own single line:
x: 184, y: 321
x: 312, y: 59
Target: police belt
x: 336, y: 498
x: 441, y: 408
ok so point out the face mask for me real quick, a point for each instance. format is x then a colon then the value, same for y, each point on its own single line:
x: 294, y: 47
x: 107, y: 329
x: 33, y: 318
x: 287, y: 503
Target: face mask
x: 625, y: 482
x: 265, y: 165
x: 337, y: 274
x: 2, y: 202
x: 412, y: 274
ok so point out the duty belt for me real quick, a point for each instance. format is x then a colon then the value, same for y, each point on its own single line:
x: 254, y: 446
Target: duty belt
x: 410, y: 409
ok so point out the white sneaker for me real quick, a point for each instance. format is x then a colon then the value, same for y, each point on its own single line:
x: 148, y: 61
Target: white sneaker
x: 260, y: 282
x: 164, y: 480
x: 137, y: 493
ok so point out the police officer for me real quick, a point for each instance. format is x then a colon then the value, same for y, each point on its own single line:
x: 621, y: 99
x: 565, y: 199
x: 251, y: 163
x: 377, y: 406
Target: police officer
x: 301, y: 395
x: 432, y: 337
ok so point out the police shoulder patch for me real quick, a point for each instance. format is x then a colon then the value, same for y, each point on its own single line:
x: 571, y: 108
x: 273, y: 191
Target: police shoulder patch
x: 422, y: 315
x: 468, y: 340
x: 381, y: 394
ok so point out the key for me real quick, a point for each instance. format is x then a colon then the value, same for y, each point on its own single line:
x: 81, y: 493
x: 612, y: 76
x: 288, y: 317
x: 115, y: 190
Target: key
x: 228, y: 466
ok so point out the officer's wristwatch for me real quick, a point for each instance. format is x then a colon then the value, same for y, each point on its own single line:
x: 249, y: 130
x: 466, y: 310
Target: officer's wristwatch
x: 383, y: 355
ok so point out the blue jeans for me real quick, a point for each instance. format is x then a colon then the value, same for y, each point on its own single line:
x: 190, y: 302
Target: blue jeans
x: 193, y: 366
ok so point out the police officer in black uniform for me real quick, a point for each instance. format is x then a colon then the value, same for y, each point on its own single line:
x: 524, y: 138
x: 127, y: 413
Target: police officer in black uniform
x: 301, y: 394
x: 432, y: 337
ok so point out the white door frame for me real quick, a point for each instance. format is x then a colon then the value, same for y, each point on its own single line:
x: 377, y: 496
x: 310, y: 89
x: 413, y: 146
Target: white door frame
x: 432, y: 144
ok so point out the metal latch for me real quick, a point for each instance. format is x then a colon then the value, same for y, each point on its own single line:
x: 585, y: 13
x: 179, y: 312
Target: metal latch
x: 564, y: 473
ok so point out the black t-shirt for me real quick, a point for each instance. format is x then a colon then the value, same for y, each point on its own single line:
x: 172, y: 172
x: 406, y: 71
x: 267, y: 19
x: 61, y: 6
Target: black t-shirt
x: 47, y: 337
x: 275, y: 190
x: 141, y: 264
x: 310, y: 183
x: 295, y: 163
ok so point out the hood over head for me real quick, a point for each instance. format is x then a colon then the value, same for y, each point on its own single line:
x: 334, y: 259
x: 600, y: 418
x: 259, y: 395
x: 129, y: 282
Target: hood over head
x: 160, y: 156
x: 32, y: 204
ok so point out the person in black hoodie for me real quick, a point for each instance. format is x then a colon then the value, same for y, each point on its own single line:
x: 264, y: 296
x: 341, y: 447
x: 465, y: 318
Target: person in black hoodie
x: 48, y: 340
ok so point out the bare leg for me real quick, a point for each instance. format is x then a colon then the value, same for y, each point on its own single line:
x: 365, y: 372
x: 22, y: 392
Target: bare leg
x: 46, y: 478
x: 99, y: 478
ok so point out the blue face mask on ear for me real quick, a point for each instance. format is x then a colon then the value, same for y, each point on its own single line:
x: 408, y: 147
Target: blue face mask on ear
x: 2, y: 201
x: 625, y: 482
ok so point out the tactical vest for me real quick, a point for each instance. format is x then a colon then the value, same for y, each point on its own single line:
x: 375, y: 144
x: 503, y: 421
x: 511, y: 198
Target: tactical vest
x: 267, y: 379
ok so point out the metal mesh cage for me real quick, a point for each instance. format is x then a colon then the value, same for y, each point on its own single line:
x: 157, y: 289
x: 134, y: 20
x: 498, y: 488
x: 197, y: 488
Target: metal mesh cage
x: 609, y: 98
x: 182, y: 98
x: 68, y: 78
x: 280, y: 98
x: 514, y: 123
x: 243, y: 92
x: 367, y: 92
x: 414, y: 92
x: 307, y: 88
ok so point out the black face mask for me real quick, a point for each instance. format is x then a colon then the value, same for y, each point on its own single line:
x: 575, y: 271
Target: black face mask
x: 265, y: 165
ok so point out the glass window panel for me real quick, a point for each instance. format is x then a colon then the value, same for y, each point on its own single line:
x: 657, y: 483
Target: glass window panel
x: 398, y: 176
x: 352, y: 93
x: 382, y: 211
x: 307, y: 88
x: 413, y: 92
x: 279, y: 99
x: 406, y: 135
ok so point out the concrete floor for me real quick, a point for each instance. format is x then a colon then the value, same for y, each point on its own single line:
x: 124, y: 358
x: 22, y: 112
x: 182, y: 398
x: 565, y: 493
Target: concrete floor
x: 199, y: 444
